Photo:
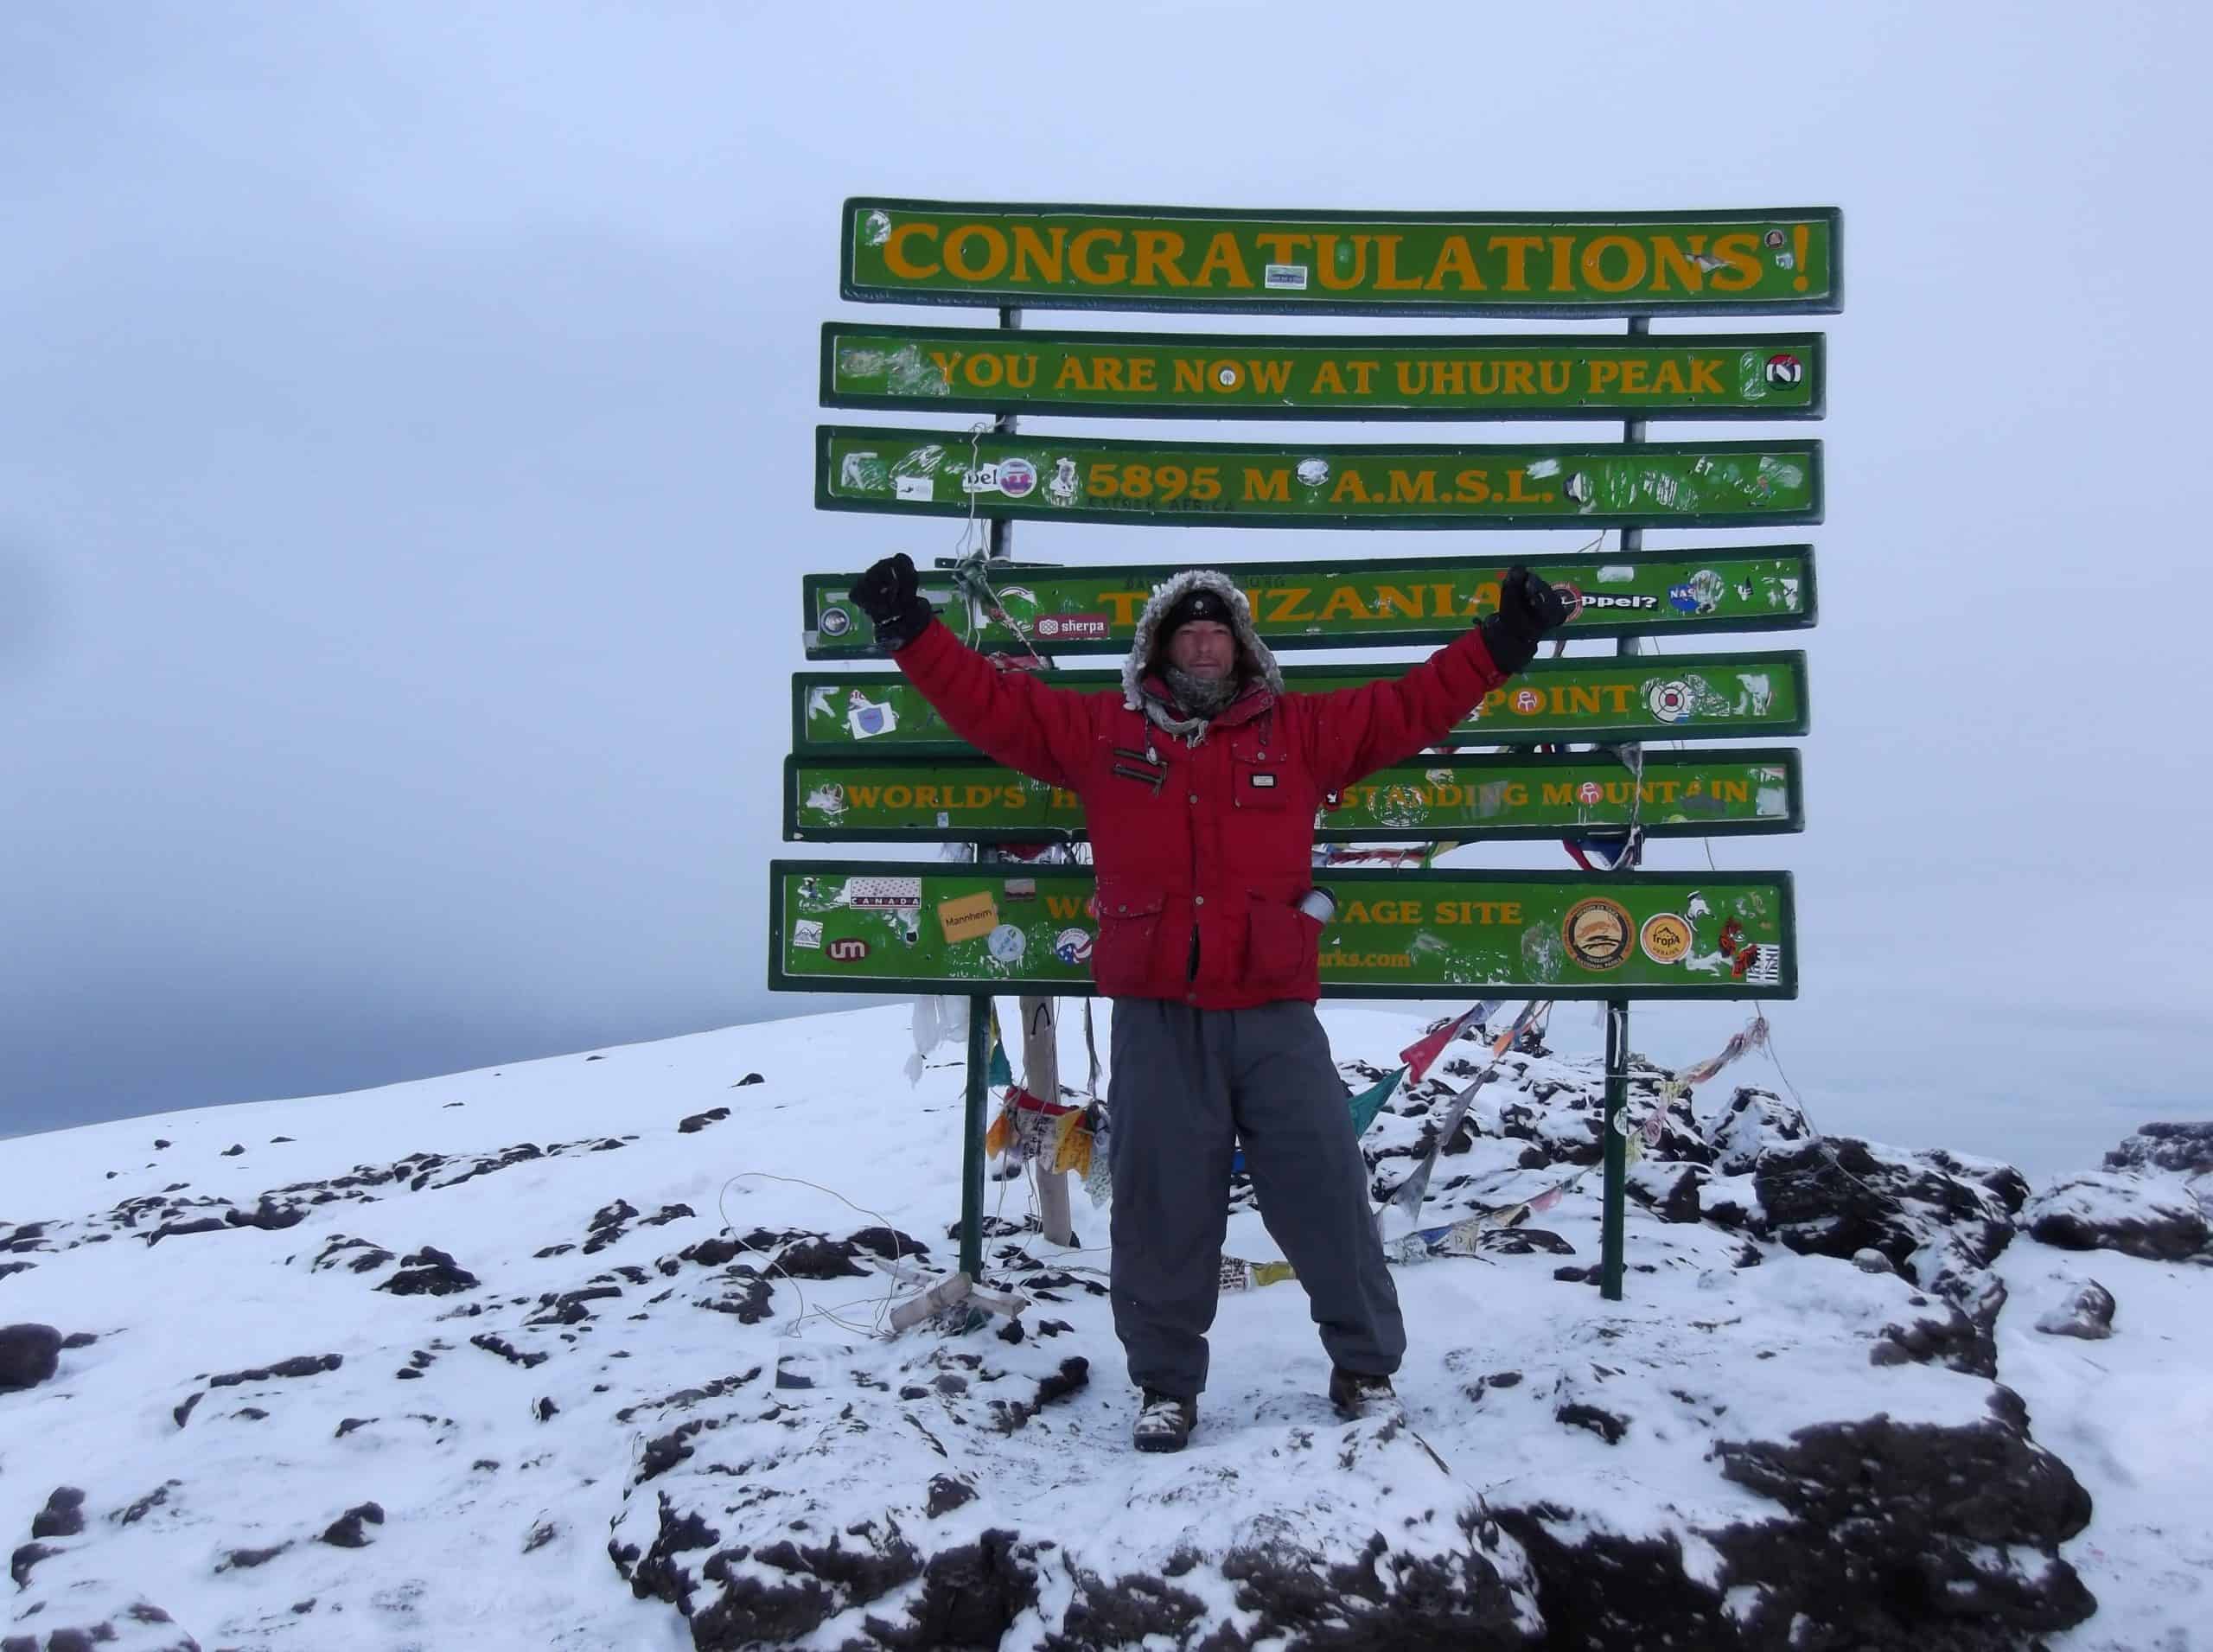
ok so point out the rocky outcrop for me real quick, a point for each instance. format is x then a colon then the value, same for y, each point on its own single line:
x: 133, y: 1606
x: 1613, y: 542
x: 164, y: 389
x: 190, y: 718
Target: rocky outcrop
x: 2153, y: 1217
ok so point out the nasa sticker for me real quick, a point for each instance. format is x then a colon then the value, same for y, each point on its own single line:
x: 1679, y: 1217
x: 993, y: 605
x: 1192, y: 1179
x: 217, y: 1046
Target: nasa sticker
x: 1784, y: 369
x: 1072, y: 945
x: 836, y: 621
x: 1671, y: 701
x: 1701, y: 594
x: 1007, y: 944
x: 1017, y: 477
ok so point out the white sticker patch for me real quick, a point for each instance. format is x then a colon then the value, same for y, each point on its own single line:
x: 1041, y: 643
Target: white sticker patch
x: 805, y: 931
x: 919, y: 488
x: 1290, y: 277
x: 1544, y: 467
x: 1613, y: 573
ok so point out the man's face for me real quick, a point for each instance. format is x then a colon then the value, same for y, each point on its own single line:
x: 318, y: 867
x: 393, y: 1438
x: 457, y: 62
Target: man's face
x: 1204, y: 648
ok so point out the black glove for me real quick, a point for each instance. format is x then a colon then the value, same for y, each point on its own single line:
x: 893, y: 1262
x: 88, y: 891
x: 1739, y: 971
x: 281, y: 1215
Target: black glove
x: 887, y: 594
x: 1527, y: 608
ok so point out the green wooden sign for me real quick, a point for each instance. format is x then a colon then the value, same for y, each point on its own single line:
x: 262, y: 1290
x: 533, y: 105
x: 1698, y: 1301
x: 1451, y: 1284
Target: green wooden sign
x: 1768, y: 260
x: 1370, y: 602
x: 1658, y: 697
x: 1778, y: 375
x: 866, y: 798
x: 909, y: 925
x: 1240, y: 484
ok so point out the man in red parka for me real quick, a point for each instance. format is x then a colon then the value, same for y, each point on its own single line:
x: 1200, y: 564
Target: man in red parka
x: 1200, y: 781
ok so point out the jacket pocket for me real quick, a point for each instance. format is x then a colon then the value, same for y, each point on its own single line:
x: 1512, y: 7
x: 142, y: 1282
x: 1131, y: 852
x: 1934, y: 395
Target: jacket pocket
x: 1122, y: 960
x: 1261, y: 783
x: 1281, y: 943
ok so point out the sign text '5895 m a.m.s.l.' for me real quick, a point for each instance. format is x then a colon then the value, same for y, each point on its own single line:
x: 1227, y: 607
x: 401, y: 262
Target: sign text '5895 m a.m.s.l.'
x: 1232, y: 484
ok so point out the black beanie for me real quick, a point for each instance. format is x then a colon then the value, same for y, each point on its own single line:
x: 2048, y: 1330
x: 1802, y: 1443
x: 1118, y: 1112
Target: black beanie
x: 1199, y: 602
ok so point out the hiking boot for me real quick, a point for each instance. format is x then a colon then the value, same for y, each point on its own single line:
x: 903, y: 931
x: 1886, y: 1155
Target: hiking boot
x: 1165, y: 1422
x: 1355, y: 1393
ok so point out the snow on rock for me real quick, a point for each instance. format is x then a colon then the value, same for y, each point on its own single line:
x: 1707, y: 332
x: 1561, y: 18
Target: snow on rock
x: 564, y: 1355
x: 2086, y: 1311
x: 2152, y: 1216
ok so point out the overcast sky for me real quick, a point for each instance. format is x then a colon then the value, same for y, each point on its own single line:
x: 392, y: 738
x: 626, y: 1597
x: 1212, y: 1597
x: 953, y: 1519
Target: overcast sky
x: 404, y: 483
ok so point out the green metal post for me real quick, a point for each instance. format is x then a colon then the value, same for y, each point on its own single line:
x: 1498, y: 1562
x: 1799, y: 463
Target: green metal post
x: 979, y: 1005
x: 972, y: 1137
x: 1615, y: 1215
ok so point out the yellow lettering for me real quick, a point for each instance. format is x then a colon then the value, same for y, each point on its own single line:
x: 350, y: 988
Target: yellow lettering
x: 1350, y: 486
x: 1387, y: 278
x: 1454, y: 257
x: 1706, y: 375
x: 1326, y: 262
x: 1028, y: 251
x: 895, y: 252
x: 1126, y: 605
x: 1666, y: 257
x: 994, y: 252
x: 1328, y: 381
x: 1261, y: 486
x: 1158, y: 249
x: 1071, y: 375
x: 1419, y: 488
x: 1407, y: 601
x: 1740, y: 252
x: 1345, y: 599
x: 1635, y: 372
x: 1594, y: 263
x: 1223, y: 254
x: 1111, y: 268
x: 1517, y: 249
x: 1270, y: 378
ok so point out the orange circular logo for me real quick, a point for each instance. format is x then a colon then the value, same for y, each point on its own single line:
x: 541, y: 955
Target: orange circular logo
x: 1666, y: 938
x: 1597, y: 933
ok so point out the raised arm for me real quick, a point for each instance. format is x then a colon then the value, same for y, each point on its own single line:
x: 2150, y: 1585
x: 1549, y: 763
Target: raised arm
x: 1358, y: 730
x: 1007, y: 715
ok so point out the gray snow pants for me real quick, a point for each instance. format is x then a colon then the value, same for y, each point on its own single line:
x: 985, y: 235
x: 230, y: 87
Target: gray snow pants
x: 1186, y: 1085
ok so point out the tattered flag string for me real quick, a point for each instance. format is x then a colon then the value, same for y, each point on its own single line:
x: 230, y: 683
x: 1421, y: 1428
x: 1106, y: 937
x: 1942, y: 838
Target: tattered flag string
x: 1464, y: 1237
x: 1411, y: 1191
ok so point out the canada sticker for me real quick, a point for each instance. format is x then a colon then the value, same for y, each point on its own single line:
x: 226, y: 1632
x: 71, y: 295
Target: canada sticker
x: 867, y: 719
x: 1666, y: 938
x: 1597, y: 933
x: 1072, y: 945
x: 1017, y: 477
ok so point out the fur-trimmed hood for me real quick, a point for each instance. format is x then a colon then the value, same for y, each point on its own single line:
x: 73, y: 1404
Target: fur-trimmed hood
x: 1255, y: 662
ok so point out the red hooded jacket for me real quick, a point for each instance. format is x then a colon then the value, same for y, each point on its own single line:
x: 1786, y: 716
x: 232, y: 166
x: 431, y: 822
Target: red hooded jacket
x: 1208, y: 835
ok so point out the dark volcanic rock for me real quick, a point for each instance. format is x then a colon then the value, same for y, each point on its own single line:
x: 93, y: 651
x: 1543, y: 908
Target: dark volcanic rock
x: 63, y: 1515
x: 1892, y: 1544
x: 300, y: 1365
x: 971, y: 1597
x: 2087, y: 1312
x: 429, y: 1271
x: 347, y: 1533
x: 817, y: 1258
x: 948, y: 1493
x: 2151, y: 1217
x: 700, y: 1122
x: 2179, y: 1149
x: 29, y: 1355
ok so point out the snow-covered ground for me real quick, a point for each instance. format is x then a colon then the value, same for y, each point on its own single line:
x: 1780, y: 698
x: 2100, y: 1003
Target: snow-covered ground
x: 501, y: 1359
